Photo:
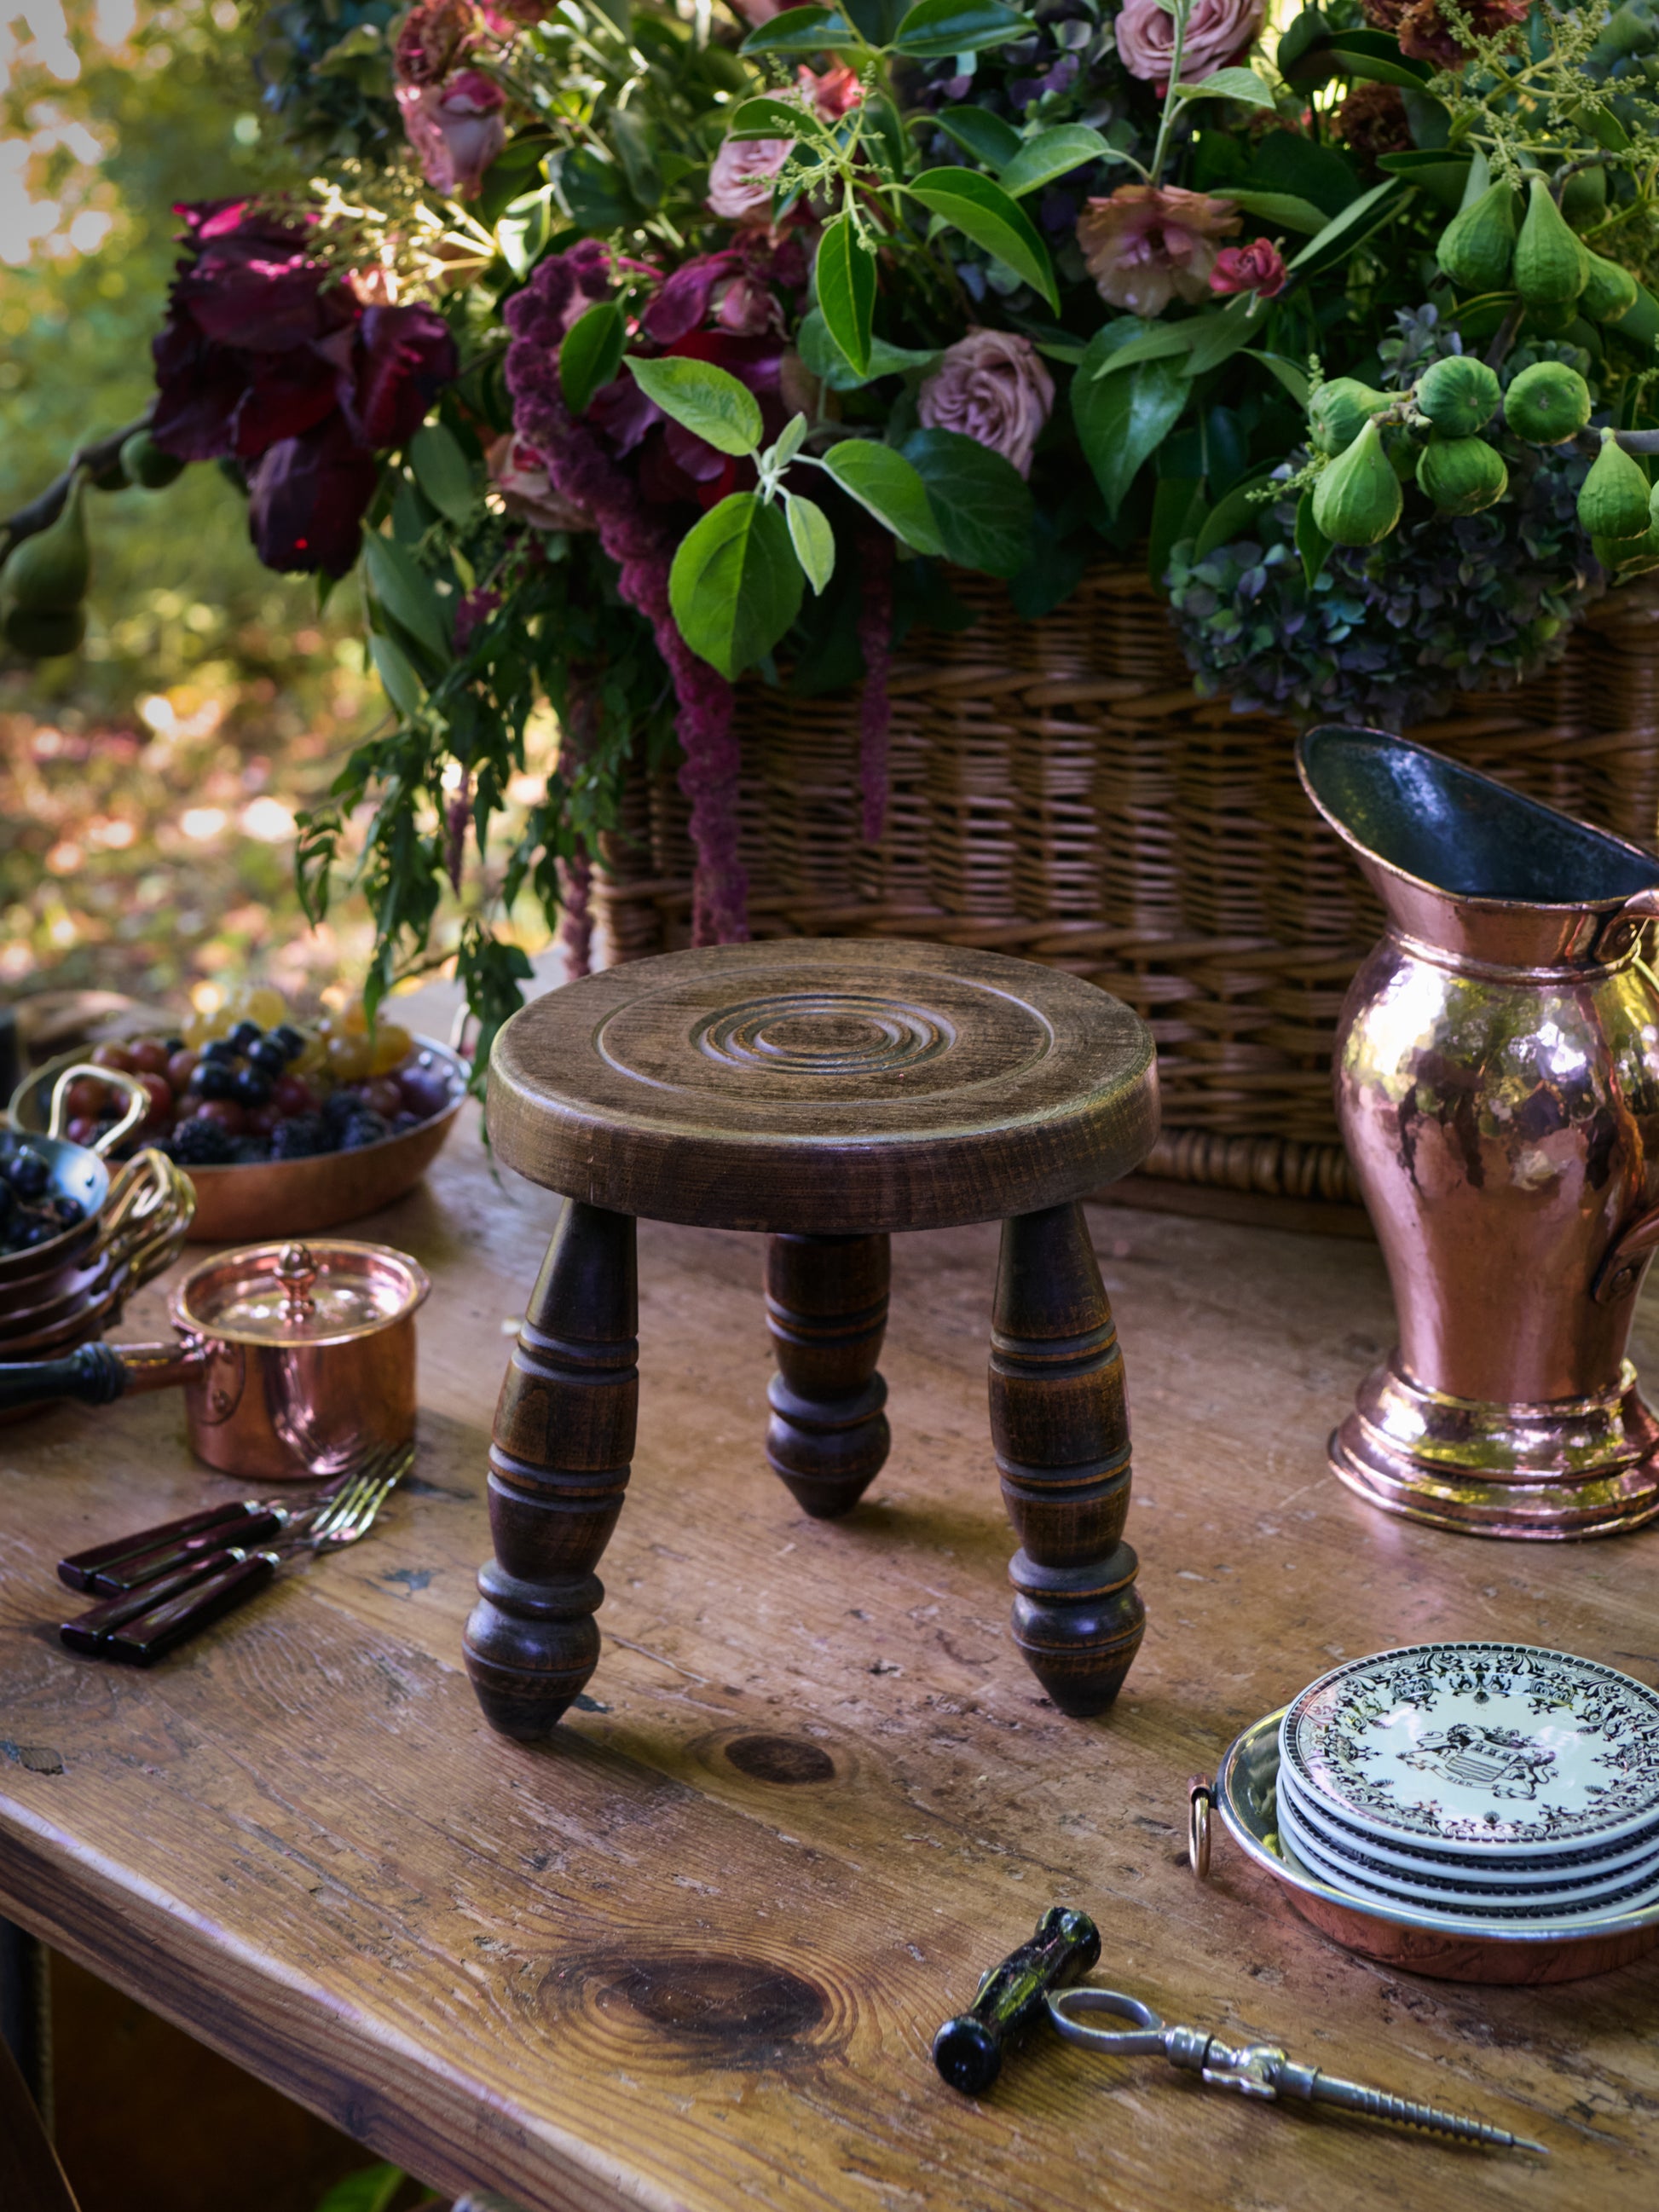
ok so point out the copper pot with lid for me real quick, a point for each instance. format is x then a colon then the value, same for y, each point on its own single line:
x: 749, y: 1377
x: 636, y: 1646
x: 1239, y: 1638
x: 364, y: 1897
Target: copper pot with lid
x: 296, y: 1360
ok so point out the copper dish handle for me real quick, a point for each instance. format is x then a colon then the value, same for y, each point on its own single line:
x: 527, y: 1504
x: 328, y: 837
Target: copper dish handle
x: 146, y: 1217
x: 1621, y: 1264
x: 138, y: 1108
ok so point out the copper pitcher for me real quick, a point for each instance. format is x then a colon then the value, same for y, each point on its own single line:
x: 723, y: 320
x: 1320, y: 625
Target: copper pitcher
x: 1496, y: 1072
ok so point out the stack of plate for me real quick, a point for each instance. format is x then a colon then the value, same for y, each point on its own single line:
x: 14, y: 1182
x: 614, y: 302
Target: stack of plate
x: 1480, y: 1782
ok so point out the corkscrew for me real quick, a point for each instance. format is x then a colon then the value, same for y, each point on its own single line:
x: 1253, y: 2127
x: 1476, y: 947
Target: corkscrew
x: 1032, y: 1982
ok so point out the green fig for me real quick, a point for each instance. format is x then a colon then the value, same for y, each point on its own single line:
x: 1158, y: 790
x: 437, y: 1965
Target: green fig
x: 1478, y: 245
x: 146, y: 464
x: 1627, y: 556
x: 41, y: 633
x: 1610, y: 292
x: 1584, y: 196
x: 1357, y: 500
x: 1339, y: 411
x: 1459, y: 395
x: 1553, y: 321
x: 1551, y: 266
x: 1547, y: 404
x: 1612, y: 500
x: 1462, y: 476
x: 49, y: 573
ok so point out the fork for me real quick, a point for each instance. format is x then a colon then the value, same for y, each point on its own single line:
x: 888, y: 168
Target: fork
x: 147, y: 1554
x: 142, y: 1625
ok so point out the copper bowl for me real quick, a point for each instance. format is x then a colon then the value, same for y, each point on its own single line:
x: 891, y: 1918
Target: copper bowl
x: 291, y: 1197
x: 1246, y: 1796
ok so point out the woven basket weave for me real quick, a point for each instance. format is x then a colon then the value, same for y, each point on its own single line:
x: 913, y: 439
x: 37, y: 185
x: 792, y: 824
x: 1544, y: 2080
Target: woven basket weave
x: 1058, y: 790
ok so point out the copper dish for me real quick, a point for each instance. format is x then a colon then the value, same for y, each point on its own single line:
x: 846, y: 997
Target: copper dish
x: 289, y: 1198
x: 296, y: 1360
x: 1245, y: 1795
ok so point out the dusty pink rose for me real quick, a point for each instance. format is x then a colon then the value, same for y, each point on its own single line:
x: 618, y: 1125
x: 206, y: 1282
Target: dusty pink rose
x: 1257, y: 267
x: 1146, y: 245
x: 519, y: 474
x: 434, y: 39
x: 757, y: 12
x: 741, y: 180
x: 1219, y: 32
x: 994, y: 388
x: 456, y: 129
x: 833, y: 91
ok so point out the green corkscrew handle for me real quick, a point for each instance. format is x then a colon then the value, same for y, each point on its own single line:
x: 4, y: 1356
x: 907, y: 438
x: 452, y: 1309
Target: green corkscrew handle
x: 968, y: 2050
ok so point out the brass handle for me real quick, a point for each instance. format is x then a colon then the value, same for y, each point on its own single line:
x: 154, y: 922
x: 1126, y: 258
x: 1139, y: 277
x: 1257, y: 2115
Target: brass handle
x: 1621, y: 930
x: 137, y: 1103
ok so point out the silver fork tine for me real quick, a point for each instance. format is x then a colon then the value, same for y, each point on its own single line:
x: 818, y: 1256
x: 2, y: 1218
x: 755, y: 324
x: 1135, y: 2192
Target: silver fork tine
x: 348, y: 1527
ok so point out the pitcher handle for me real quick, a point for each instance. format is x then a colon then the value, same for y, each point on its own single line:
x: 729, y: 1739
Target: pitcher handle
x: 1622, y: 930
x: 1622, y: 1262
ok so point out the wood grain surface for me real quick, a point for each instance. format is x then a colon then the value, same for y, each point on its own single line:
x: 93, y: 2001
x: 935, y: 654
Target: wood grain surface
x: 824, y: 1084
x: 690, y: 1953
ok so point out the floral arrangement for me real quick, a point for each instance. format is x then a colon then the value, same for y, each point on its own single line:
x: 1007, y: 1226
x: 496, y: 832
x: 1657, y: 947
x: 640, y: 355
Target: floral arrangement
x: 625, y: 351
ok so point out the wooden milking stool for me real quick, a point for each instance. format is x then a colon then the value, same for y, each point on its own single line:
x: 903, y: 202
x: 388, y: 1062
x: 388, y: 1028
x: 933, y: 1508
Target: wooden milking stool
x: 823, y: 1092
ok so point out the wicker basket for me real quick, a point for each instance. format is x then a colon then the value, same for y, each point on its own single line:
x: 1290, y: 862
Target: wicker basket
x: 1058, y: 790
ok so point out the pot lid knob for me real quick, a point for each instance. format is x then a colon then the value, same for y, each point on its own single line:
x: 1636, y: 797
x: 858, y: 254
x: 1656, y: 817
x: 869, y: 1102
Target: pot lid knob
x: 296, y: 1271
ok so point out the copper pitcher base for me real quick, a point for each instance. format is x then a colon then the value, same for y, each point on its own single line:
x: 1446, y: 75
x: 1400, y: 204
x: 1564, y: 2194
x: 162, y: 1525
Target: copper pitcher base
x: 1571, y: 1467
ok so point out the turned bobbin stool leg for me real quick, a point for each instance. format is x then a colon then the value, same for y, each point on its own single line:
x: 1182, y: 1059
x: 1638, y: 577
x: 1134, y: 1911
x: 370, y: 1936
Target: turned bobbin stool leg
x: 1061, y: 1431
x: 826, y: 1305
x: 558, y: 1466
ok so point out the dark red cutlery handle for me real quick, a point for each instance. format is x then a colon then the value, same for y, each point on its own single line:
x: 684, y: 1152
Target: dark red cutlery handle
x: 143, y: 1568
x: 77, y: 1571
x: 164, y: 1627
x: 90, y: 1632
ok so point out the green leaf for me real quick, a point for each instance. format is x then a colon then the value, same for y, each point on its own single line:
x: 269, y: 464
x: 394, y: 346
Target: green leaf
x: 632, y: 140
x: 735, y: 586
x: 1355, y: 222
x: 1287, y: 208
x: 936, y: 29
x: 812, y: 539
x: 1054, y: 153
x: 825, y: 359
x: 982, y: 134
x: 1306, y: 34
x: 523, y: 230
x: 1282, y: 163
x: 1232, y: 515
x: 1604, y: 127
x: 981, y: 211
x: 369, y: 2190
x: 444, y: 473
x: 591, y: 189
x: 765, y: 116
x: 1376, y: 55
x: 1311, y: 541
x: 1217, y: 338
x: 1157, y: 341
x: 397, y: 674
x: 1178, y: 513
x: 591, y: 354
x: 844, y: 273
x: 1120, y: 421
x: 804, y: 31
x: 404, y: 590
x: 707, y: 400
x: 979, y: 502
x: 886, y: 485
x: 1241, y: 84
x: 1289, y: 373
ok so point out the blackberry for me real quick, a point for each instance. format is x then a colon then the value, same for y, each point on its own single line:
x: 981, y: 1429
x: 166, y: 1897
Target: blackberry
x: 342, y: 1106
x: 365, y: 1129
x: 250, y: 1152
x: 301, y: 1137
x: 202, y: 1143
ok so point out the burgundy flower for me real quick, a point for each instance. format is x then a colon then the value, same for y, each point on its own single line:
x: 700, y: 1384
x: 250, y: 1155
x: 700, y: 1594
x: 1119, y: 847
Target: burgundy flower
x: 308, y: 498
x: 1257, y: 267
x: 268, y: 358
x: 456, y: 130
x: 519, y: 474
x: 436, y: 38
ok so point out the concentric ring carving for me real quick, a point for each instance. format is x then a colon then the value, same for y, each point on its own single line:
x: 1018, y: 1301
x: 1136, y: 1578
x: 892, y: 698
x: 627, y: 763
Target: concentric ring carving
x: 824, y: 1033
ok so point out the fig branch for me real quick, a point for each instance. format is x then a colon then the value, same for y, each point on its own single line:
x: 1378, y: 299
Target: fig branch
x: 43, y: 509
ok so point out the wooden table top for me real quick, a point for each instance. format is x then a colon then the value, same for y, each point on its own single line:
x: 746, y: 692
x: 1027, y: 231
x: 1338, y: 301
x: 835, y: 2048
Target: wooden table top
x: 692, y: 1955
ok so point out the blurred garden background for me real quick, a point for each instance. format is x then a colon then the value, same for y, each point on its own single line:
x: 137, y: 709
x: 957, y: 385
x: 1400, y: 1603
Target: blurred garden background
x: 149, y: 786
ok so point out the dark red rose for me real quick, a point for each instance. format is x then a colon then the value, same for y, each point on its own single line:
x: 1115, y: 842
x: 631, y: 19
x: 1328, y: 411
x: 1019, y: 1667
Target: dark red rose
x: 1257, y: 267
x: 308, y: 499
x: 401, y: 359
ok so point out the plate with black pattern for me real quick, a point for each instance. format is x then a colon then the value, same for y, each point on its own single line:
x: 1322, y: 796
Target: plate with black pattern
x: 1477, y: 1748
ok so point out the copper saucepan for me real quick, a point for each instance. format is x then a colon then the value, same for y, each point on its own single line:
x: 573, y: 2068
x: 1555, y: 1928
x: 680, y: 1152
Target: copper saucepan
x: 296, y: 1360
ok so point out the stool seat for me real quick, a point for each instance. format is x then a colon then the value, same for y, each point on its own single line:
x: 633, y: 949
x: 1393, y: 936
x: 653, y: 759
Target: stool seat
x: 823, y: 1085
x: 824, y: 1092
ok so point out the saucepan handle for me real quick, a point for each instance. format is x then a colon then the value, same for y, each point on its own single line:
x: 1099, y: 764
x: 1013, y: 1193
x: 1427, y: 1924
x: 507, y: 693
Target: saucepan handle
x: 96, y: 1374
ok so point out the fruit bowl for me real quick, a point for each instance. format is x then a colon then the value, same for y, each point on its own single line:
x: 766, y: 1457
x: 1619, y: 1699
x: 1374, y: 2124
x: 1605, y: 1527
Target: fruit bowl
x: 251, y: 1203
